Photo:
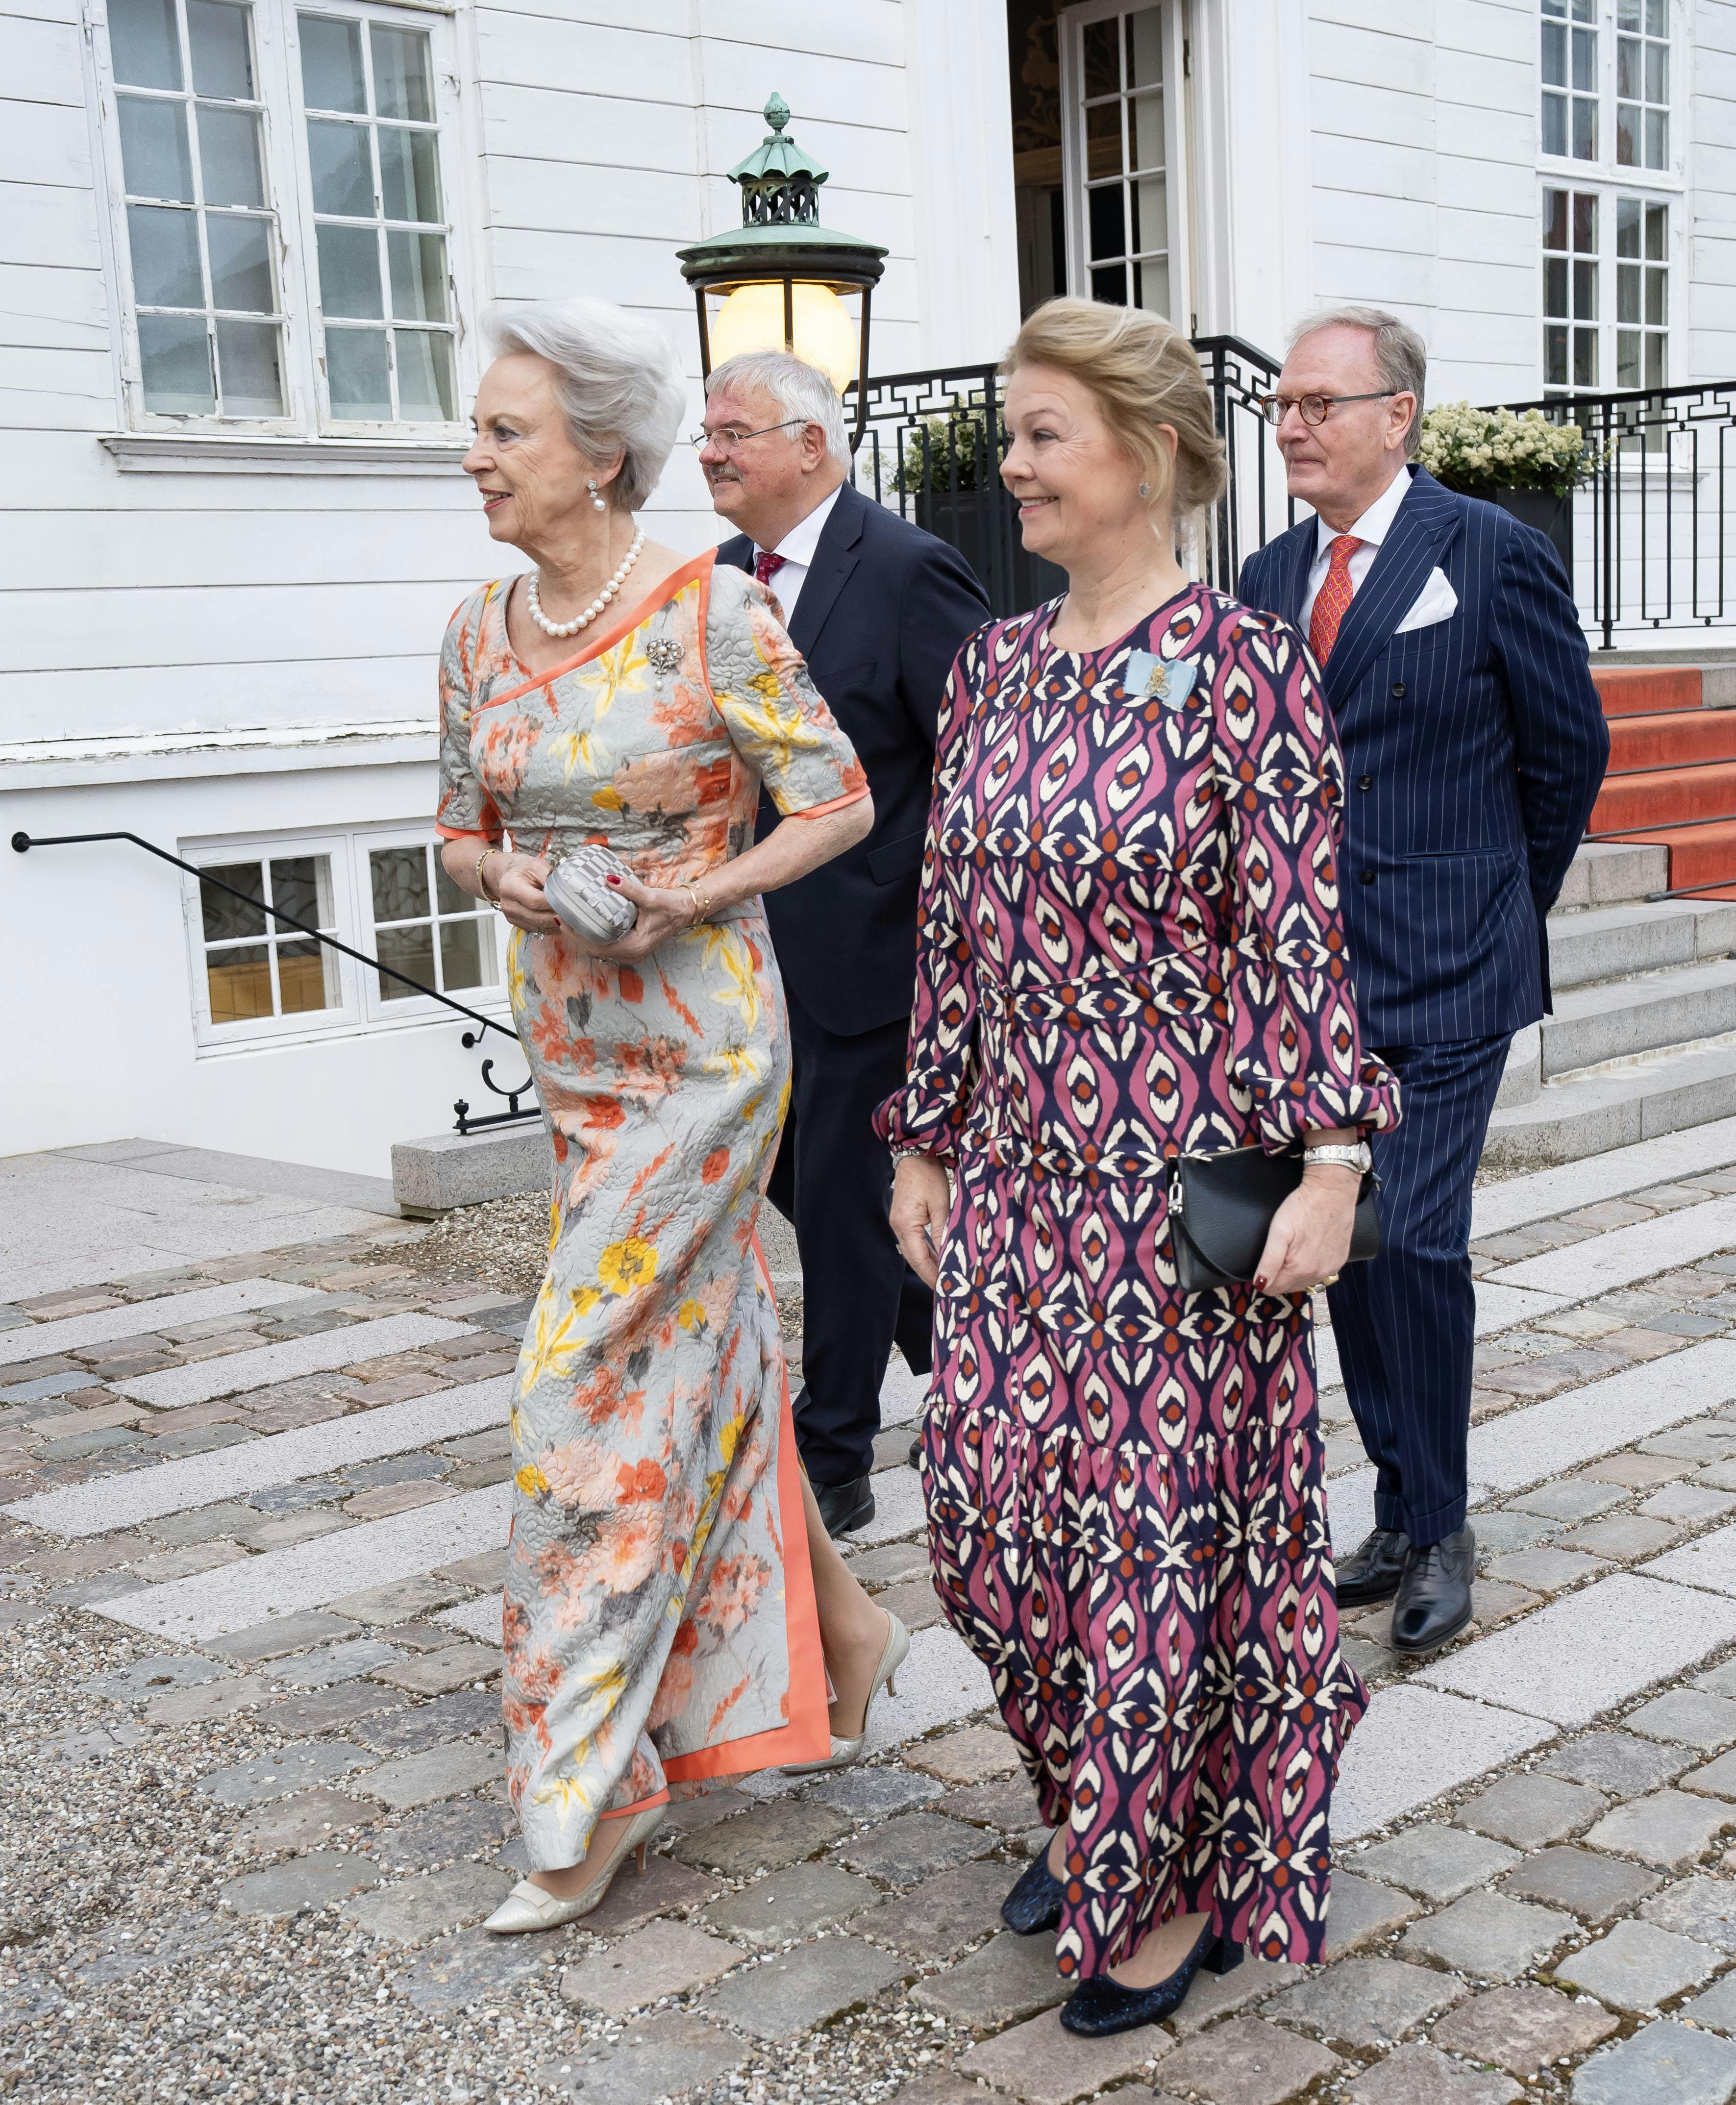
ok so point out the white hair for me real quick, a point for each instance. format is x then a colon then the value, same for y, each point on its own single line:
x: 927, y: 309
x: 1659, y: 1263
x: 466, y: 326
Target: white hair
x: 1400, y: 356
x: 799, y: 389
x: 618, y: 382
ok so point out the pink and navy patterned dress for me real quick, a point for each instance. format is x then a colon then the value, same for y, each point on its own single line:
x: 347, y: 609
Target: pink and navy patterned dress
x: 1131, y: 947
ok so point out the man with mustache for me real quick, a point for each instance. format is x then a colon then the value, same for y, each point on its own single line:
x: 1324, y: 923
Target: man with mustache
x: 879, y: 609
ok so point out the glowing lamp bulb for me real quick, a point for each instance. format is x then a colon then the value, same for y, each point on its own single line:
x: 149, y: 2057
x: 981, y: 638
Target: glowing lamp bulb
x: 752, y: 319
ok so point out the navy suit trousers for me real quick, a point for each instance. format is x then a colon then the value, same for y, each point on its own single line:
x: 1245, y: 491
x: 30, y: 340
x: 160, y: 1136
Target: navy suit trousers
x: 832, y: 1182
x: 1405, y: 1323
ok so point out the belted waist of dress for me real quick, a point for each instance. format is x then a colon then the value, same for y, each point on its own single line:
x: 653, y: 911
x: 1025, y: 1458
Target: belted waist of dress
x: 1008, y: 1151
x: 1082, y: 1002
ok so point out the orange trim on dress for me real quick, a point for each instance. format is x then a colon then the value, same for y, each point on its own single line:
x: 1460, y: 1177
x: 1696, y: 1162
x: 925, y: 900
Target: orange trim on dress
x: 831, y: 804
x: 466, y: 834
x: 623, y: 625
x: 808, y: 1737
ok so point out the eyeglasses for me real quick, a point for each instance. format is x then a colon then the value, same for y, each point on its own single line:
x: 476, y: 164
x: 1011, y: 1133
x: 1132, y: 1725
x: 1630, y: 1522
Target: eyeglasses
x: 1313, y: 408
x: 728, y: 439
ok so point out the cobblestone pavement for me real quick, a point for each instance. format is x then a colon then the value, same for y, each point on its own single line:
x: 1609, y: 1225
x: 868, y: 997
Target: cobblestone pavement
x: 253, y: 1506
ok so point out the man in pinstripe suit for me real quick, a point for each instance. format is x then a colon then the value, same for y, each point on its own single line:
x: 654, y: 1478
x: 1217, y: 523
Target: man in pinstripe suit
x: 1453, y: 660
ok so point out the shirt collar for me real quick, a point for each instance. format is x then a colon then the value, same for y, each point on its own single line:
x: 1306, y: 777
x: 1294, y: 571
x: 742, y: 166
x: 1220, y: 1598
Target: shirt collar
x: 1376, y: 522
x: 798, y: 544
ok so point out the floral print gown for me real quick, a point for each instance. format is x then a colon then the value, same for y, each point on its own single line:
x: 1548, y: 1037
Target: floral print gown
x: 660, y: 1621
x: 1131, y: 947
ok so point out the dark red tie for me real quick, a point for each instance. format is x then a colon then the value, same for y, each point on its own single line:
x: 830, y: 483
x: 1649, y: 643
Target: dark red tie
x: 766, y: 567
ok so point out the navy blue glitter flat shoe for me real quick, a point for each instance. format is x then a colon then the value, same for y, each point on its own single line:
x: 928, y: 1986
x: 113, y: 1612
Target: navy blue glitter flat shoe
x: 1100, y: 2006
x: 1034, y: 1902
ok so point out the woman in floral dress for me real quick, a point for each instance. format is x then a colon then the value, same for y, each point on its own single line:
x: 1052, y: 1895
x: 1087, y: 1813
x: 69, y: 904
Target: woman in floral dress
x: 665, y: 1601
x: 1131, y: 949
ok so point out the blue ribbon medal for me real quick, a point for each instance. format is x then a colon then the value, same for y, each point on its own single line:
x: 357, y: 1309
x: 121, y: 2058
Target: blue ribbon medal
x: 1168, y: 680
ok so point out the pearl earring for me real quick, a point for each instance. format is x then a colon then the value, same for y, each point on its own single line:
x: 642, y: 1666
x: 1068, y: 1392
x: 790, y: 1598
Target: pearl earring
x: 1145, y: 490
x: 597, y: 501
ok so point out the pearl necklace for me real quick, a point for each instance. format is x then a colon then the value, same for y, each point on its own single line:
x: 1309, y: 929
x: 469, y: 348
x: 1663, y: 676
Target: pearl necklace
x: 597, y: 606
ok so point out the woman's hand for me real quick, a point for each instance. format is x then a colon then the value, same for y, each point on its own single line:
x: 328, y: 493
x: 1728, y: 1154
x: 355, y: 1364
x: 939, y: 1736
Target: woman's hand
x: 1310, y: 1234
x: 922, y: 1199
x: 518, y: 887
x: 662, y: 913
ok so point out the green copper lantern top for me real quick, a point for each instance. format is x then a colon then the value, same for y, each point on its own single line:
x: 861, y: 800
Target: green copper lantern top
x: 781, y: 234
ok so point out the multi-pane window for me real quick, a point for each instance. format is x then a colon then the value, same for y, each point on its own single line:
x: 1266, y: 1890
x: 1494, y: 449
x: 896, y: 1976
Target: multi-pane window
x: 1642, y: 292
x: 200, y: 230
x: 379, y: 219
x: 425, y: 927
x: 381, y: 891
x: 1126, y: 193
x: 256, y: 966
x: 1578, y: 316
x: 1643, y: 83
x: 287, y: 193
x: 1570, y: 288
x: 1570, y: 82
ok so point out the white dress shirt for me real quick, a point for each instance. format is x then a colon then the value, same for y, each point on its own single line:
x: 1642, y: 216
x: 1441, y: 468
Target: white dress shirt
x: 1371, y: 530
x: 797, y: 549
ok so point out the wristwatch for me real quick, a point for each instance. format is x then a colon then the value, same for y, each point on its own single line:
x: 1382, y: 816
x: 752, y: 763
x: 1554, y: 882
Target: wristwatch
x: 1360, y: 1158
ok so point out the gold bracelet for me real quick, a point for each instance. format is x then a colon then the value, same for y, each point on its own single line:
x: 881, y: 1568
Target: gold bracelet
x: 701, y: 904
x: 492, y: 898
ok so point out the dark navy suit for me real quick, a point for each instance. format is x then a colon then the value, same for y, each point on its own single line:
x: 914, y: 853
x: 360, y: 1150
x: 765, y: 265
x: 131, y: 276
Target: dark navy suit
x: 882, y: 613
x: 1473, y: 749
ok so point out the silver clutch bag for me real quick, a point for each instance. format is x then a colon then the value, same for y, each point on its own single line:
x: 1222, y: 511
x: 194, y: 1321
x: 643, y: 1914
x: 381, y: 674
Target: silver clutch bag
x: 576, y: 891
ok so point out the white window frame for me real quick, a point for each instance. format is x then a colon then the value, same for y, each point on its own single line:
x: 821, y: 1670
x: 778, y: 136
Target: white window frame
x: 1071, y: 25
x: 416, y: 1007
x: 278, y: 56
x: 1610, y: 181
x: 361, y: 1010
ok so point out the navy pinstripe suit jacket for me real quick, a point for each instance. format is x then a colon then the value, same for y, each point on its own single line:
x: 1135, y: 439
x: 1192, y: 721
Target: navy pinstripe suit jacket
x: 1473, y: 750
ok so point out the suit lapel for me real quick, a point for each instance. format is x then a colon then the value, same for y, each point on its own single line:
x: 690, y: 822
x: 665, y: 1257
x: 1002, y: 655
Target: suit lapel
x: 1296, y: 560
x: 1428, y: 516
x: 834, y: 558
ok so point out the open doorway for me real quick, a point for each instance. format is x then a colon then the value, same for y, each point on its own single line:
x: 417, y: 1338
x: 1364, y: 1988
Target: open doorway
x: 1038, y: 183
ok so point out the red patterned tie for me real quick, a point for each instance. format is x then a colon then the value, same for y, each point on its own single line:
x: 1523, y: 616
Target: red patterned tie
x: 767, y: 566
x: 1332, y: 602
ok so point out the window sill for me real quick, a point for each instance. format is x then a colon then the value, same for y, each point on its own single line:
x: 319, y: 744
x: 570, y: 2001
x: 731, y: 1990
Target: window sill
x: 175, y: 453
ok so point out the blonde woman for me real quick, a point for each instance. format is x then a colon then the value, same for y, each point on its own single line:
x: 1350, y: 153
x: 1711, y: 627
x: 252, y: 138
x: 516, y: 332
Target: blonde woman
x: 1131, y: 948
x: 673, y: 1604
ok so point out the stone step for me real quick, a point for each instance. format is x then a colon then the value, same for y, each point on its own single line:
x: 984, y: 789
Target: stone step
x: 1615, y: 1020
x: 1615, y: 942
x: 1612, y: 873
x: 1614, y: 1107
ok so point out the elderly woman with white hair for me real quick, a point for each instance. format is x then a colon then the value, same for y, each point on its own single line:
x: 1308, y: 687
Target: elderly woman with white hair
x: 669, y: 1616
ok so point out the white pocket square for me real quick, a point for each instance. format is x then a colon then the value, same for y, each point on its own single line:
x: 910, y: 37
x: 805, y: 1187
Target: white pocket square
x: 1433, y: 603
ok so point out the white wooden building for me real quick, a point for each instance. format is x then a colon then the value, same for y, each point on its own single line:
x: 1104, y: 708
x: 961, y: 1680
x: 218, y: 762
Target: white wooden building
x: 244, y: 245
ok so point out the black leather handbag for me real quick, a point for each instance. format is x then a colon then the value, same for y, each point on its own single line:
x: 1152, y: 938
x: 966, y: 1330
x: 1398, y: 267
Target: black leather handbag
x: 1220, y: 1214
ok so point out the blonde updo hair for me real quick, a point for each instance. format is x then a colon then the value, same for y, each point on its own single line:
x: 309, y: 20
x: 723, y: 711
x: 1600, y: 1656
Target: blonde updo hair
x: 1144, y: 373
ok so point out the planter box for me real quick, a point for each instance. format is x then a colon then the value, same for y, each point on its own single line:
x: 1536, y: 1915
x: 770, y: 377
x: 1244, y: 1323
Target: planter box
x: 1552, y: 515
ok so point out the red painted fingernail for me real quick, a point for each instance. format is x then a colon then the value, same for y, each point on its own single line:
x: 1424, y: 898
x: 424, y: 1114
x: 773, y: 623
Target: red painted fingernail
x: 1259, y: 1282
x: 611, y: 880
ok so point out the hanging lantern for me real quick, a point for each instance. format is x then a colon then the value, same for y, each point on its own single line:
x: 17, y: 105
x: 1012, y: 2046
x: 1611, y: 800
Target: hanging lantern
x: 780, y: 281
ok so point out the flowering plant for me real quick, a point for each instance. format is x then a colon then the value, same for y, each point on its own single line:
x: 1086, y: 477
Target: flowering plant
x: 1475, y: 450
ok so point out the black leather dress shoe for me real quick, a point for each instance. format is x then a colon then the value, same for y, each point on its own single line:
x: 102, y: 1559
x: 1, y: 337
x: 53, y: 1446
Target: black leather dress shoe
x: 1099, y: 2006
x: 845, y: 1506
x: 916, y: 1452
x: 1373, y: 1569
x: 1034, y: 1902
x: 1434, y: 1595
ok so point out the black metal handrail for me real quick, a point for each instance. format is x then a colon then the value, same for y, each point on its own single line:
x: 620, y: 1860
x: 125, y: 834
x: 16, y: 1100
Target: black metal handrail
x: 23, y: 843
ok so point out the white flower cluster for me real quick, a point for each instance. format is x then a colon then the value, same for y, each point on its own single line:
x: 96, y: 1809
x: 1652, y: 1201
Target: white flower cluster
x: 1473, y: 450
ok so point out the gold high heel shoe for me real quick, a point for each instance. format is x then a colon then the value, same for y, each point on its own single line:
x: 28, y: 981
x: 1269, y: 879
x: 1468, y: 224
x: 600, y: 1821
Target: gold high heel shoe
x: 529, y: 1907
x: 845, y: 1752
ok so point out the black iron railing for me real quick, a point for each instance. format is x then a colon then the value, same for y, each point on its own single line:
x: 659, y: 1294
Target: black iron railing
x: 933, y: 446
x: 1652, y: 548
x: 23, y: 843
x: 1647, y: 539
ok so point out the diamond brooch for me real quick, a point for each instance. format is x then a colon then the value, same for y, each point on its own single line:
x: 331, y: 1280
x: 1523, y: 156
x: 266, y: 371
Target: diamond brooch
x: 666, y: 654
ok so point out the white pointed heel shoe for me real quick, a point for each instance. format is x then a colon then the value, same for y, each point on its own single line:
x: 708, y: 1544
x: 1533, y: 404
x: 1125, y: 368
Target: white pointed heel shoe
x: 529, y: 1907
x: 845, y: 1752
